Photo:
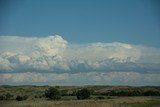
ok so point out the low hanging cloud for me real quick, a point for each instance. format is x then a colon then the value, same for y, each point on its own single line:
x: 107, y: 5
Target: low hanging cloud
x: 52, y: 58
x: 90, y: 78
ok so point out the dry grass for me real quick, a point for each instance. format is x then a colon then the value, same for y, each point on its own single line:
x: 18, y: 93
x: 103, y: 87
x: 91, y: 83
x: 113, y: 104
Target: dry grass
x: 80, y: 103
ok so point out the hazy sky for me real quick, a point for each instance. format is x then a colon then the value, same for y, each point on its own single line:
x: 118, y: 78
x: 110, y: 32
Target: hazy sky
x: 83, y: 21
x: 78, y: 42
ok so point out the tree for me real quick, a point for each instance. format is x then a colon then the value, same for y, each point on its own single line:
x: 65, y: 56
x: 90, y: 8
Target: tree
x: 83, y: 94
x: 53, y: 94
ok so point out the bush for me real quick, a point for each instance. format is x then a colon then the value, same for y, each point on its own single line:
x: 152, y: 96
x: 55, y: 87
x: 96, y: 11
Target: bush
x: 35, y: 96
x: 40, y: 96
x: 83, y: 94
x: 151, y: 93
x: 53, y: 94
x: 21, y: 98
x: 64, y: 93
x: 2, y: 97
x: 100, y: 97
x: 8, y: 96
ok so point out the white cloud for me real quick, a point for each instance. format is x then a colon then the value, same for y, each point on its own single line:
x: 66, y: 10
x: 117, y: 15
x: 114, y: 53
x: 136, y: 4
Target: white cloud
x: 31, y: 77
x: 54, y: 54
x: 51, y: 45
x: 52, y: 58
x: 43, y: 53
x: 112, y: 78
x: 101, y: 51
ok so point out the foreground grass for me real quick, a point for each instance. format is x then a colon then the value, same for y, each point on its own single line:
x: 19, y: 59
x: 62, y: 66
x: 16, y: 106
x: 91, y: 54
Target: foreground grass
x: 115, y: 102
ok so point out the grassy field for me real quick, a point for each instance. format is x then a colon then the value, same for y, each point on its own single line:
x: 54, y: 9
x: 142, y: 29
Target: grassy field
x: 102, y: 96
x: 115, y: 102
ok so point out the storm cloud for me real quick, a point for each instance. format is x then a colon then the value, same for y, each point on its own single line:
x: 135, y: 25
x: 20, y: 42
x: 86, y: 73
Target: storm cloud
x: 52, y: 58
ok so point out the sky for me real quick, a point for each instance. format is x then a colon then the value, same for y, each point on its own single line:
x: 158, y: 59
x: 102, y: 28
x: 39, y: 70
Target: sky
x: 80, y: 42
x: 83, y: 21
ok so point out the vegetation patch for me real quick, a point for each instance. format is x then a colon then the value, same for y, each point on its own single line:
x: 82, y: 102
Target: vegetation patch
x: 53, y: 94
x: 21, y: 98
x: 83, y: 94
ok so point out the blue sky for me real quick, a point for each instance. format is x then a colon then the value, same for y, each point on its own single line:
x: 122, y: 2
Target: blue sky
x: 83, y: 21
x: 80, y: 42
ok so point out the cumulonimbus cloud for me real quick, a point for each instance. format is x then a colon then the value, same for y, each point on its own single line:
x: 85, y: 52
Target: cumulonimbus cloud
x: 53, y: 54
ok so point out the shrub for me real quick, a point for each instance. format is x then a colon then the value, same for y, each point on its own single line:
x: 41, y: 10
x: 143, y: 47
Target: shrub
x: 2, y: 97
x: 64, y: 93
x: 40, y: 96
x: 53, y: 94
x: 8, y: 96
x: 108, y: 97
x: 83, y: 94
x: 35, y: 96
x: 151, y: 93
x: 100, y: 97
x: 21, y: 98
